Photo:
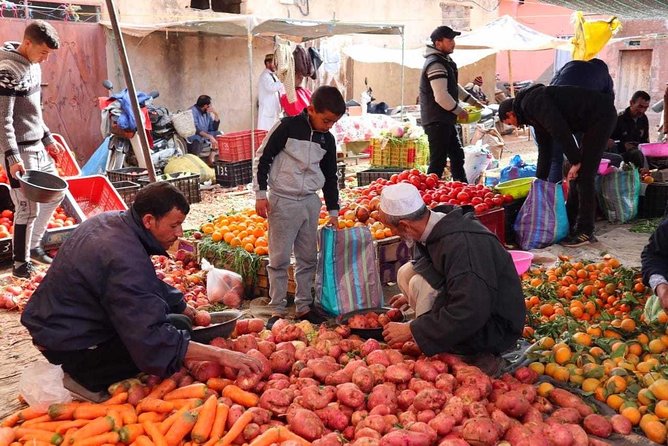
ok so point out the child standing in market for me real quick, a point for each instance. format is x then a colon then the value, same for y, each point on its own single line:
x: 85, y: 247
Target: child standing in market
x: 296, y: 159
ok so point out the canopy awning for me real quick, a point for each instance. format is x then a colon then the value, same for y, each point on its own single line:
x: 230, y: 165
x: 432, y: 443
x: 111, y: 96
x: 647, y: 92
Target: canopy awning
x: 412, y: 58
x: 507, y: 34
x: 240, y: 25
x: 637, y: 9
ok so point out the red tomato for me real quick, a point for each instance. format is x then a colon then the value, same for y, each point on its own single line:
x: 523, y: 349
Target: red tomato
x: 497, y: 201
x: 463, y: 196
x: 430, y: 182
x: 508, y: 198
x: 414, y: 172
x: 476, y: 200
x: 403, y: 175
x: 480, y: 208
x: 428, y: 198
x: 394, y: 179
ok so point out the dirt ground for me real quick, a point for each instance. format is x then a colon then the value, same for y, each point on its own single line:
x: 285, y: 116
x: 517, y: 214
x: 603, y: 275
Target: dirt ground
x: 17, y: 352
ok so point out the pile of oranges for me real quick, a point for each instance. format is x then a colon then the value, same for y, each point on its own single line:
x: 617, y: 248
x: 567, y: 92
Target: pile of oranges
x: 245, y: 230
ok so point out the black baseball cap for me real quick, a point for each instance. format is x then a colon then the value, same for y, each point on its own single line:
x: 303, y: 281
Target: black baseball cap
x: 443, y: 32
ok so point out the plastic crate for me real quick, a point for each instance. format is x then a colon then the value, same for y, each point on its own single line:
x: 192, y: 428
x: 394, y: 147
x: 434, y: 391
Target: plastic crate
x: 495, y: 221
x: 365, y: 177
x: 405, y: 153
x: 233, y: 174
x: 127, y: 190
x: 237, y: 146
x: 95, y: 194
x: 653, y: 203
x: 186, y: 182
x: 65, y: 160
x: 133, y: 174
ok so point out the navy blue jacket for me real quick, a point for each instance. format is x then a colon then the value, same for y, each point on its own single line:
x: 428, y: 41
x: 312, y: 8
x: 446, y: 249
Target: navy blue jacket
x: 102, y: 285
x: 592, y: 74
x: 654, y: 256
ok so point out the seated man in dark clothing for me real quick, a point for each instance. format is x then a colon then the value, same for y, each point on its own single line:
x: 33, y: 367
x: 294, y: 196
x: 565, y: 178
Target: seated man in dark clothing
x: 462, y: 284
x: 102, y: 312
x: 557, y: 113
x: 632, y: 129
x: 207, y: 123
x: 654, y: 260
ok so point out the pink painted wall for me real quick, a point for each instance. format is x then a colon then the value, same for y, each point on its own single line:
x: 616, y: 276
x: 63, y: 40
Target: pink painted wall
x: 549, y: 19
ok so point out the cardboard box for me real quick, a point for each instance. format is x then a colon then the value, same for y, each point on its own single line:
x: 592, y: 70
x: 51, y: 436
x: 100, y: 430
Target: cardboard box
x: 355, y: 110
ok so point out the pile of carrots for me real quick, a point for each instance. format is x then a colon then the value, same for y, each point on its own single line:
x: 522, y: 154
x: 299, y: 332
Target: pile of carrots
x: 191, y: 415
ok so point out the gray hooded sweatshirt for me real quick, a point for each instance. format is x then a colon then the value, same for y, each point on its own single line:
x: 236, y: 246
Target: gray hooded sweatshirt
x: 21, y: 122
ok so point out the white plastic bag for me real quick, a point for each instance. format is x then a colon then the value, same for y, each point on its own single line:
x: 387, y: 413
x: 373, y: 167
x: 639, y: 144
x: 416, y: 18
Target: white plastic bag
x: 223, y: 285
x: 476, y: 160
x: 41, y: 385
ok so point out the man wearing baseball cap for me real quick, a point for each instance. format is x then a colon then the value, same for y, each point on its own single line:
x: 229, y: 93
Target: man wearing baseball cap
x: 439, y: 104
x: 462, y: 285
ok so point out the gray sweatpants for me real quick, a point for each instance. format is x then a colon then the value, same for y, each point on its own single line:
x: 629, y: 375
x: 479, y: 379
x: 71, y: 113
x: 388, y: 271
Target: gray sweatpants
x: 30, y: 217
x: 293, y: 224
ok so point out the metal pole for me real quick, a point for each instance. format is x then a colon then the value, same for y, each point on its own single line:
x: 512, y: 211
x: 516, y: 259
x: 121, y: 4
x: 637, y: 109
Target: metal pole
x: 129, y: 81
x: 403, y: 44
x: 510, y: 75
x: 250, y: 87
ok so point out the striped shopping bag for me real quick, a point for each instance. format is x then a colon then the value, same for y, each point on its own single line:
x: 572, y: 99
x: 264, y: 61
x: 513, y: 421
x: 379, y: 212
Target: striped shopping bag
x: 619, y: 193
x: 542, y: 220
x: 347, y: 277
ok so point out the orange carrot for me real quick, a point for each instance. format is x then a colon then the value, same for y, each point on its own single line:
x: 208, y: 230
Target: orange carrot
x: 40, y: 419
x: 153, y: 417
x: 11, y: 420
x: 269, y: 436
x: 236, y: 428
x: 68, y: 436
x: 240, y: 396
x: 155, y: 405
x: 17, y: 443
x: 181, y: 427
x: 219, y: 422
x: 76, y: 424
x: 22, y: 415
x: 90, y: 411
x: 118, y: 420
x: 162, y: 389
x: 119, y: 398
x: 205, y: 418
x: 190, y: 403
x: 130, y: 433
x: 285, y: 434
x: 99, y: 440
x: 63, y: 411
x: 47, y: 425
x: 129, y: 416
x: 154, y: 433
x: 167, y: 423
x: 96, y: 427
x: 25, y: 433
x: 197, y: 390
x: 143, y: 440
x: 7, y: 435
x: 218, y: 384
x: 33, y: 443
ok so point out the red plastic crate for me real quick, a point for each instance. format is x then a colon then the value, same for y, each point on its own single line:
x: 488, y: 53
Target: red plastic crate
x: 95, y: 194
x: 495, y: 221
x: 236, y: 146
x: 65, y: 161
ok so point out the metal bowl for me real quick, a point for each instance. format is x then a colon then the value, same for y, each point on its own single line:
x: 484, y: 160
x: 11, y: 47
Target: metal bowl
x: 222, y: 325
x: 366, y: 333
x: 42, y: 187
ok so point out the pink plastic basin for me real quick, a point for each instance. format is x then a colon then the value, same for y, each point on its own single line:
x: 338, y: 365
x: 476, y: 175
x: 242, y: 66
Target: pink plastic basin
x: 654, y: 149
x: 603, y: 166
x: 522, y: 260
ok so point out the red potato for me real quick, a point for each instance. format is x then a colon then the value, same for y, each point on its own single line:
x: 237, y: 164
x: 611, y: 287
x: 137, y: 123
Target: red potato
x: 236, y: 410
x: 358, y: 416
x: 279, y: 325
x: 232, y: 299
x: 338, y: 377
x: 248, y: 382
x: 378, y: 372
x: 429, y: 399
x: 354, y: 364
x: 377, y: 357
x: 367, y: 432
x: 418, y: 385
x: 597, y: 425
x: 405, y: 438
x: 364, y: 379
x: 266, y: 348
x: 333, y: 417
x: 476, y: 409
x: 366, y: 441
x: 276, y: 400
x: 455, y: 409
x: 481, y: 431
x: 368, y: 346
x: 394, y: 356
x: 316, y: 397
x: 513, y: 404
x: 266, y: 365
x: 322, y: 367
x: 306, y: 424
x: 565, y: 415
x: 525, y: 375
x: 202, y: 318
x: 425, y: 429
x: 424, y: 369
x: 593, y: 441
x: 251, y: 431
x: 621, y: 424
x: 398, y: 373
x: 425, y: 415
x: 527, y: 390
x: 382, y: 394
x: 380, y: 410
x: 407, y: 417
x: 502, y: 420
x: 558, y: 435
x: 445, y: 382
x: 221, y: 343
x: 405, y: 398
x: 442, y: 424
x: 564, y: 398
x: 532, y: 415
x: 375, y: 422
x: 331, y: 439
x: 453, y: 442
x: 281, y: 361
x: 543, y: 405
x: 580, y: 437
x: 290, y: 333
x: 410, y: 348
x: 203, y: 370
x: 468, y: 393
x: 349, y: 345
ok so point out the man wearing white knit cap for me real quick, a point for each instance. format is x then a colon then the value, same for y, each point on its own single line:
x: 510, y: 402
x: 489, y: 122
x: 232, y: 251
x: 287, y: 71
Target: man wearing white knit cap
x: 462, y: 284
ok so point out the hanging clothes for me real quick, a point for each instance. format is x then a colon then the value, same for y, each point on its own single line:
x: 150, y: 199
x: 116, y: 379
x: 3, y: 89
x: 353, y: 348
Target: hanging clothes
x: 316, y: 61
x: 303, y: 62
x: 285, y: 67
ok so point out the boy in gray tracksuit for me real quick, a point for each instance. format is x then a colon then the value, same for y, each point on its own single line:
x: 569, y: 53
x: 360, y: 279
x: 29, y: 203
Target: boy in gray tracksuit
x: 25, y: 138
x: 296, y: 159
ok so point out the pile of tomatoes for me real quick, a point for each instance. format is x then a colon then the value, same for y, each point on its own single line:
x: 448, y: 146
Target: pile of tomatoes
x: 59, y: 219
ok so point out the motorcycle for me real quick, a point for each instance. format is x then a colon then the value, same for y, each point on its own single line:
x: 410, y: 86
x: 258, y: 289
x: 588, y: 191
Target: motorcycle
x: 118, y: 121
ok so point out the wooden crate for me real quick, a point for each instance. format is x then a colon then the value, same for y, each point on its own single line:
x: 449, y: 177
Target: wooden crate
x: 262, y: 284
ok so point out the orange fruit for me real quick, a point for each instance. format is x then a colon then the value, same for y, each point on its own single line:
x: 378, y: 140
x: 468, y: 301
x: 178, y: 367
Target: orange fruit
x: 656, y: 346
x: 616, y: 384
x: 249, y: 247
x: 632, y: 414
x: 628, y: 325
x: 379, y: 234
x: 590, y: 384
x: 614, y: 401
x: 661, y: 409
x: 581, y: 338
x: 659, y: 389
x: 544, y: 389
x: 655, y: 431
x: 563, y: 355
x: 235, y: 242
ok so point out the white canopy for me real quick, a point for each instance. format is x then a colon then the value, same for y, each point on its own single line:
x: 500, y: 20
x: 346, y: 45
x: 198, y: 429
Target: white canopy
x: 507, y: 34
x: 412, y: 58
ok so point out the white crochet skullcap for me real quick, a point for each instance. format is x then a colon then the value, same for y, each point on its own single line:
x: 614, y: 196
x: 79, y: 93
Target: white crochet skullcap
x: 400, y: 199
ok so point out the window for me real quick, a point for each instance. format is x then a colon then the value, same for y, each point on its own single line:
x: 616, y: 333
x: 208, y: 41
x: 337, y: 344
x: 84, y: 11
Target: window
x: 73, y: 12
x: 229, y: 6
x: 457, y: 17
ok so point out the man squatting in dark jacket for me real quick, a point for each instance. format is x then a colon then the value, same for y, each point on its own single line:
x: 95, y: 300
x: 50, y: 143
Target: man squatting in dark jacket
x: 654, y: 261
x: 463, y: 284
x: 557, y: 113
x: 102, y: 312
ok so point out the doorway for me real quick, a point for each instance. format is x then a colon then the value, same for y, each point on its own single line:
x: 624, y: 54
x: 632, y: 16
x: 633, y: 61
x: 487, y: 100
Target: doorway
x: 634, y: 75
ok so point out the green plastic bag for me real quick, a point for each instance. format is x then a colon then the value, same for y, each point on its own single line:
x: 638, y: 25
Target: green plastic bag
x: 652, y: 309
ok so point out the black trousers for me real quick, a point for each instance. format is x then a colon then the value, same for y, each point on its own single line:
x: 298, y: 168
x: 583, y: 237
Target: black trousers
x: 97, y: 368
x: 581, y: 203
x: 443, y: 144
